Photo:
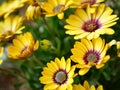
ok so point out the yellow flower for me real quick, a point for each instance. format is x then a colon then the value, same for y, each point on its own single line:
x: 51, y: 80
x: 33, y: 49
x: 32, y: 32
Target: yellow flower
x: 1, y: 53
x: 22, y: 47
x: 56, y: 7
x: 33, y: 10
x: 58, y: 75
x: 10, y: 26
x: 90, y: 53
x: 86, y: 86
x: 11, y: 6
x: 90, y: 24
x: 84, y: 3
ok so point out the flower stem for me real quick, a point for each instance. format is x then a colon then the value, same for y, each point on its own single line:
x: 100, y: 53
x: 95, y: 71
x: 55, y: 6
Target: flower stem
x: 38, y: 61
x: 49, y: 28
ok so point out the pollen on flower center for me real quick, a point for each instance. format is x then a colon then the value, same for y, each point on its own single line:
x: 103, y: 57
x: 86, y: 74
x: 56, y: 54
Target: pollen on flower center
x: 91, y: 25
x: 58, y: 8
x: 92, y: 56
x: 60, y: 77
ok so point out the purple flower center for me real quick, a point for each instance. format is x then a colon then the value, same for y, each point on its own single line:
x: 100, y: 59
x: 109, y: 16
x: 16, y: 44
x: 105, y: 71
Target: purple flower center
x: 60, y: 77
x: 91, y: 56
x: 89, y: 2
x: 58, y: 8
x: 91, y: 25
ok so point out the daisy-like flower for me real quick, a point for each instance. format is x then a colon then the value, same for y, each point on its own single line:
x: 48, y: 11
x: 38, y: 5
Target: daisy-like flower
x: 91, y: 25
x: 84, y: 3
x: 56, y: 7
x: 86, y: 86
x: 9, y: 7
x: 58, y: 75
x: 33, y: 10
x: 10, y: 26
x: 1, y: 53
x: 90, y: 53
x: 23, y: 46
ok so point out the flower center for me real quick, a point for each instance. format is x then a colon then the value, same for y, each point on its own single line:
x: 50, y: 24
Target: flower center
x: 91, y: 25
x: 58, y: 8
x: 60, y: 77
x: 92, y: 56
x: 89, y: 1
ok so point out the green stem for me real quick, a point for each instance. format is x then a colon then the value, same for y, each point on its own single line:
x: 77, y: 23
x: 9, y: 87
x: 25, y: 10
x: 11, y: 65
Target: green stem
x: 38, y: 61
x: 49, y: 28
x: 44, y: 20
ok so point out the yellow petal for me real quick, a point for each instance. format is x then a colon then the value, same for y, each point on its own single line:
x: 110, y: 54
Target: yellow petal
x: 1, y: 51
x: 107, y: 19
x: 111, y: 43
x: 47, y: 72
x: 71, y: 72
x: 83, y: 71
x: 90, y: 36
x: 87, y: 43
x: 100, y: 10
x: 69, y: 87
x: 108, y: 25
x: 73, y: 32
x: 60, y: 15
x: 54, y: 3
x: 86, y: 85
x: 92, y: 87
x: 100, y: 87
x: 50, y: 65
x: 118, y: 44
x: 69, y: 2
x: 108, y: 11
x: 74, y: 21
x: 17, y: 43
x: 57, y: 61
x: 77, y: 60
x: 78, y: 87
x: 96, y: 35
x: 83, y: 16
x: 99, y: 66
x: 47, y: 7
x: 109, y: 31
x: 46, y: 80
x: 103, y: 52
x: 72, y: 27
x: 1, y: 61
x: 83, y: 35
x: 62, y: 64
x: 97, y: 44
x: 68, y: 65
x: 36, y: 45
x: 62, y: 87
x: 106, y: 58
x: 51, y: 86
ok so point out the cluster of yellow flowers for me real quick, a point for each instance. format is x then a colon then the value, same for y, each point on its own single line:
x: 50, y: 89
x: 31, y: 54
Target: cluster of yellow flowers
x: 91, y: 19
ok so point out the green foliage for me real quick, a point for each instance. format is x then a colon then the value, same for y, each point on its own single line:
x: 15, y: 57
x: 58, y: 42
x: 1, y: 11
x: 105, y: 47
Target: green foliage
x: 52, y: 29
